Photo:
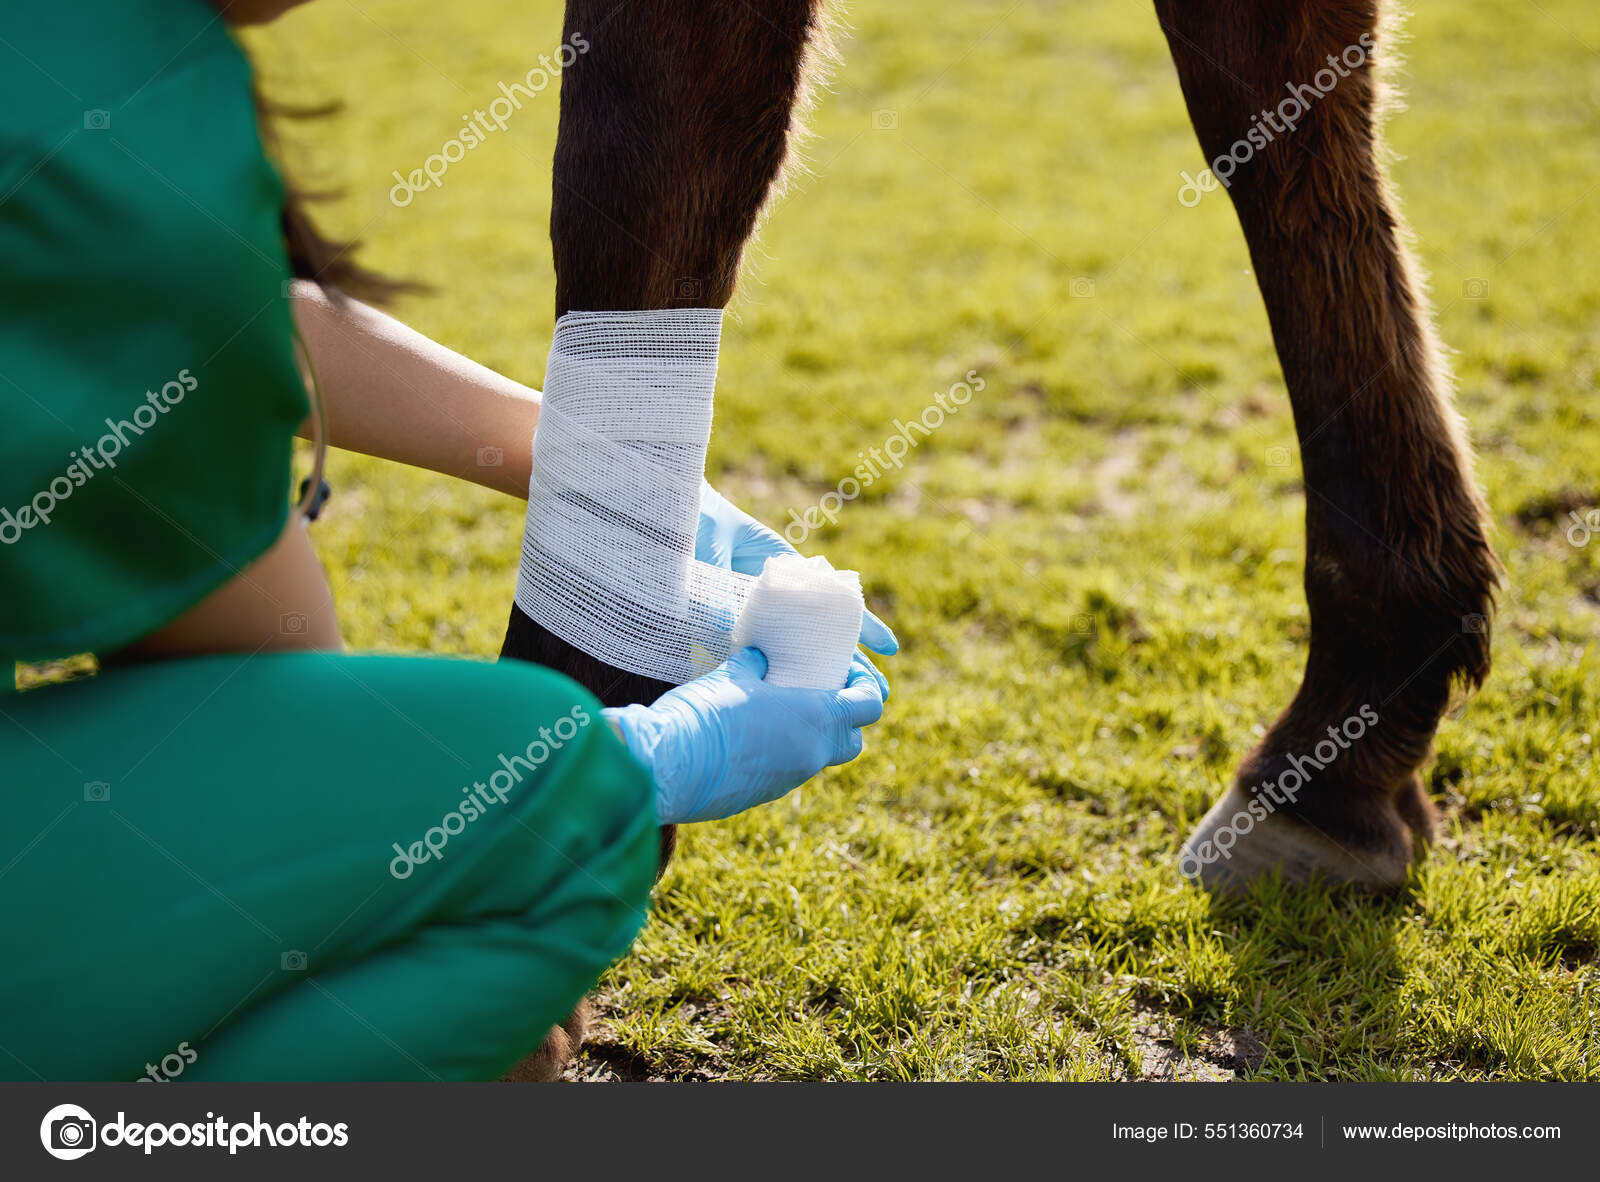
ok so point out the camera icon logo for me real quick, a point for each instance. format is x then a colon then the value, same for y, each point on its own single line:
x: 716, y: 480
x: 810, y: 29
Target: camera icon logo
x: 96, y: 119
x: 491, y: 457
x: 293, y: 961
x: 1083, y: 287
x: 292, y: 624
x: 686, y: 289
x: 1475, y: 289
x: 67, y: 1132
x: 1277, y: 457
x: 885, y: 120
x: 1474, y: 624
x: 96, y: 791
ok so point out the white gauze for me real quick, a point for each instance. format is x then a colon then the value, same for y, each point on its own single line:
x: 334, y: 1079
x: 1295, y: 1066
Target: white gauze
x: 805, y: 617
x: 608, y: 551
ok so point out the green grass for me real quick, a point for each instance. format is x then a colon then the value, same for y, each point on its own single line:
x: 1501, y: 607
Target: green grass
x: 990, y: 891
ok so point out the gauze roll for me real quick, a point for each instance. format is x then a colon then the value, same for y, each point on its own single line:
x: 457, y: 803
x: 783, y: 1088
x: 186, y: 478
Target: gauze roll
x: 805, y: 617
x: 613, y: 502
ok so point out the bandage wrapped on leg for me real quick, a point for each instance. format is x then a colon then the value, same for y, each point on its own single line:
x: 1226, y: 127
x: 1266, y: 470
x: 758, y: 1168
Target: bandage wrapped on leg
x: 608, y: 552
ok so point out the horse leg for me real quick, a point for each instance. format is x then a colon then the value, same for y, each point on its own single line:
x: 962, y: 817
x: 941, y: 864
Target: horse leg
x: 675, y: 126
x: 1399, y: 572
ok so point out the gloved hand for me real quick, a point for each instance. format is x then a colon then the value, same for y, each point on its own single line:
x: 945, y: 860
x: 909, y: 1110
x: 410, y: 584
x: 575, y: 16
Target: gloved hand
x: 729, y: 537
x: 728, y: 741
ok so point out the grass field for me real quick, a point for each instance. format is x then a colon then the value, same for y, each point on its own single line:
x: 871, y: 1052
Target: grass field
x: 1093, y: 567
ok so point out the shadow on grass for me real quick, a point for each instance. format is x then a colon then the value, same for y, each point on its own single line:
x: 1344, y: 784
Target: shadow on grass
x: 1317, y: 978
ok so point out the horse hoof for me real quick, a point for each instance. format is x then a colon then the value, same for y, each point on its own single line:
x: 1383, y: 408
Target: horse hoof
x: 1241, y: 839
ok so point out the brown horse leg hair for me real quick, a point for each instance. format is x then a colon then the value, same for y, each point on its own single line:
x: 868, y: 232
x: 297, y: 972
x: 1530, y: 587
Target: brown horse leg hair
x: 676, y: 123
x: 1400, y: 575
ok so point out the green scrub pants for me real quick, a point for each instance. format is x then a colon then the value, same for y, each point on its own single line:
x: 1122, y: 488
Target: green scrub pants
x: 309, y: 866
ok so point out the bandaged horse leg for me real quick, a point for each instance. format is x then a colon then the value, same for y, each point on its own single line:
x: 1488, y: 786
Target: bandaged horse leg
x: 675, y: 126
x: 608, y: 555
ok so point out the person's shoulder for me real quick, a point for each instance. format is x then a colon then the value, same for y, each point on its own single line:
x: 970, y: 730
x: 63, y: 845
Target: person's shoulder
x: 136, y: 167
x: 83, y: 63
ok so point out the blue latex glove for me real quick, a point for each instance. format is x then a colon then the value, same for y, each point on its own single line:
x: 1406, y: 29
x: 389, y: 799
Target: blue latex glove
x: 728, y: 741
x: 729, y: 537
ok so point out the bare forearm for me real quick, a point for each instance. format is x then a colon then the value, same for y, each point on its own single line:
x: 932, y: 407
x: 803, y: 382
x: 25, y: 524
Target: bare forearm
x: 389, y: 391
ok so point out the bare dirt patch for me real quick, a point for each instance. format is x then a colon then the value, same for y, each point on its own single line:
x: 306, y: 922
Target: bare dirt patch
x: 1223, y: 1053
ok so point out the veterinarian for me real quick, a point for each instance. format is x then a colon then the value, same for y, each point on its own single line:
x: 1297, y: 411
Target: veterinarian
x: 236, y: 848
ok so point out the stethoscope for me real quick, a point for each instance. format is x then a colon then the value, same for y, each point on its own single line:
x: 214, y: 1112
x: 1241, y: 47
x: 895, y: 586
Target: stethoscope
x: 314, y: 489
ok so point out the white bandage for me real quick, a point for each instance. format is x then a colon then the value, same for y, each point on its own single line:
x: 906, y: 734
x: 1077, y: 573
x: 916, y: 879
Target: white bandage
x: 613, y: 502
x: 805, y: 617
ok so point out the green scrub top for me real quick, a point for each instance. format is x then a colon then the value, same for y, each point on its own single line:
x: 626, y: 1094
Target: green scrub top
x: 148, y: 383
